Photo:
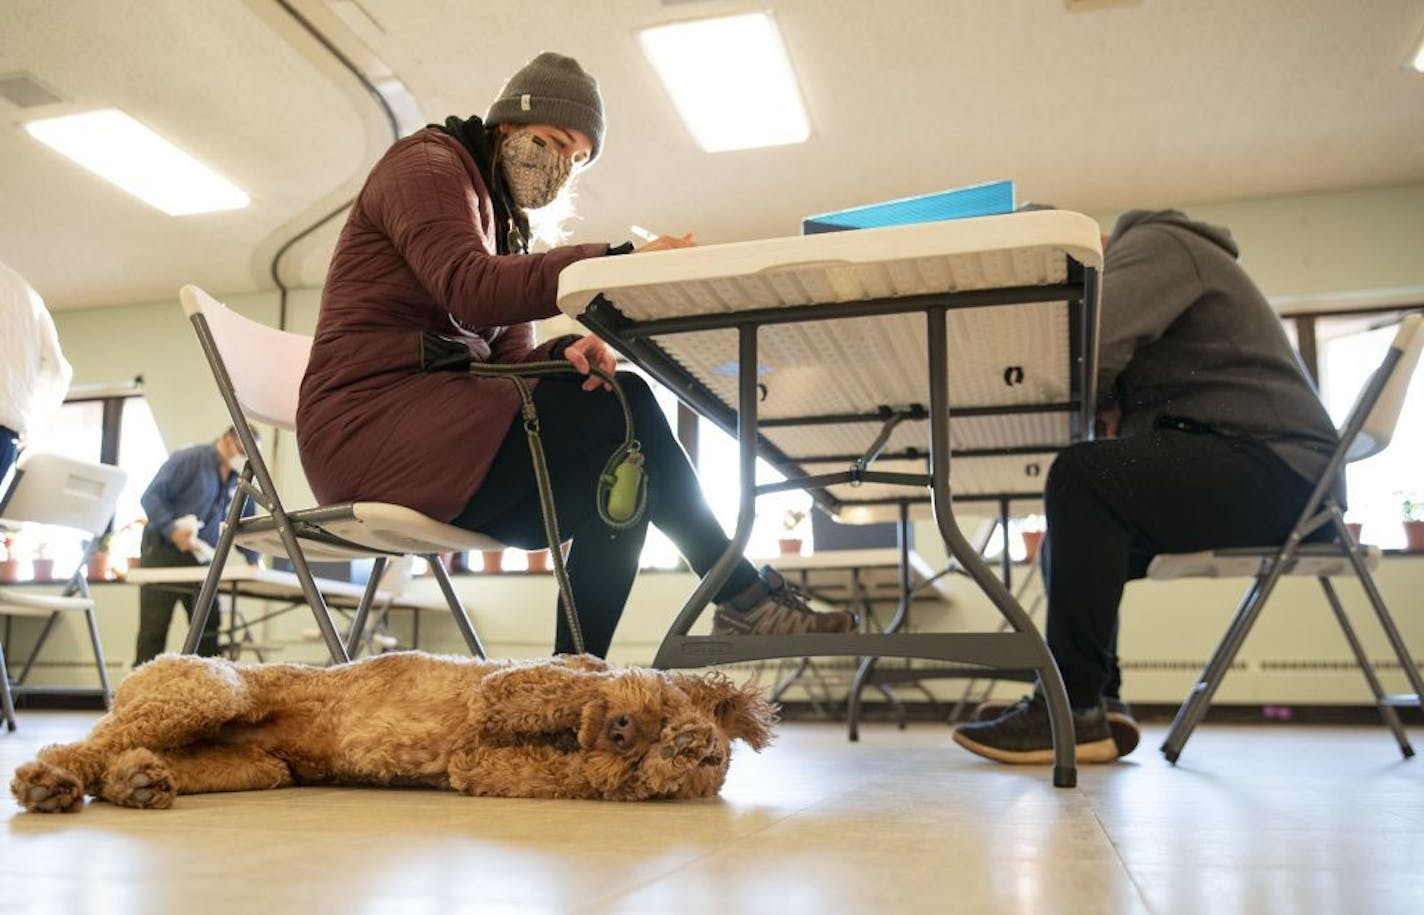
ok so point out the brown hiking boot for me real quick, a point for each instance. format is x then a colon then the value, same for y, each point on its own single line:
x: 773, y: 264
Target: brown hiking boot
x: 773, y: 606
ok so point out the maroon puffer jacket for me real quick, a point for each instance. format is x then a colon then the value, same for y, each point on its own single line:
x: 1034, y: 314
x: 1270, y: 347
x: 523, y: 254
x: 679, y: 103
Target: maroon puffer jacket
x: 418, y: 248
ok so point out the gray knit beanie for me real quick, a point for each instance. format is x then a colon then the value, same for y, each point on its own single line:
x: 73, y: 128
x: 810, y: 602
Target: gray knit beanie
x: 552, y: 89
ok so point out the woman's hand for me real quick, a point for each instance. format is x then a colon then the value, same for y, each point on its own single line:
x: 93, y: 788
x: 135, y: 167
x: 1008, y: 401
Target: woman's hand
x: 667, y: 242
x: 591, y: 350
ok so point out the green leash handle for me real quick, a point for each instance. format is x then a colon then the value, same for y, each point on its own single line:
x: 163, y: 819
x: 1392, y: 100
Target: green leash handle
x: 625, y: 492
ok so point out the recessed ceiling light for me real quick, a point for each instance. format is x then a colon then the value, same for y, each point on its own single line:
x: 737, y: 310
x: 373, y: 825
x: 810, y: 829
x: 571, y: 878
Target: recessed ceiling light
x: 730, y: 80
x: 120, y: 149
x: 1417, y: 61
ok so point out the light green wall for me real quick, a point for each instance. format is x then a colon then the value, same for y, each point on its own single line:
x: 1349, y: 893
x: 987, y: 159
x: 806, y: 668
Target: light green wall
x: 1295, y: 246
x: 1324, y: 244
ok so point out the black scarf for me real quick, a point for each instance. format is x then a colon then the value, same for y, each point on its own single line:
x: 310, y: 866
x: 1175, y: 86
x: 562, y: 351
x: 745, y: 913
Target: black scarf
x: 511, y: 225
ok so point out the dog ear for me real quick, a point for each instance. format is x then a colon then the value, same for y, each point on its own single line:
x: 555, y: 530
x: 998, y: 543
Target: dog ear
x: 742, y: 712
x: 591, y: 722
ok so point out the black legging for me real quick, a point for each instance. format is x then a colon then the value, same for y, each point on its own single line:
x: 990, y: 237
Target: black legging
x: 579, y: 430
x: 1113, y: 505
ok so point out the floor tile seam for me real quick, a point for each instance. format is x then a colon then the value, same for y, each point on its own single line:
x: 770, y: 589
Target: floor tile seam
x: 1137, y: 887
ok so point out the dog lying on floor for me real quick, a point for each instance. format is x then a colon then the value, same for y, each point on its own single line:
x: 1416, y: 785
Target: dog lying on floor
x: 565, y: 727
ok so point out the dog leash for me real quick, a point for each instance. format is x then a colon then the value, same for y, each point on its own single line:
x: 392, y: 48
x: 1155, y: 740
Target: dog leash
x: 621, y: 496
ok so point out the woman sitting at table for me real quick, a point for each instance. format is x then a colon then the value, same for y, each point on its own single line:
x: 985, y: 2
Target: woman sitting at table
x: 436, y: 244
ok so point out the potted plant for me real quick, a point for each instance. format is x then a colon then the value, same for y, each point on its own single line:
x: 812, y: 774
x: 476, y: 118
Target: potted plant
x: 790, y: 541
x: 98, y: 562
x: 9, y: 565
x: 1412, y: 508
x: 1032, y: 540
x: 43, y: 564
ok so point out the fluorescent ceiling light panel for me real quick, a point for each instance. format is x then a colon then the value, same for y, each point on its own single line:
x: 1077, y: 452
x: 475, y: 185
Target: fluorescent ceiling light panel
x: 118, y: 148
x: 730, y: 80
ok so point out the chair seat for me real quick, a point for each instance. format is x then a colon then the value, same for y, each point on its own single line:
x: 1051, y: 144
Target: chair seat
x: 21, y: 603
x: 354, y: 530
x: 1316, y: 560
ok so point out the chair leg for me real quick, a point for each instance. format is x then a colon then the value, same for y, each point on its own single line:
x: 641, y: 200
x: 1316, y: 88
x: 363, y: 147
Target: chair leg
x: 205, y: 603
x: 1387, y: 712
x: 866, y: 669
x: 1396, y: 641
x: 98, y: 655
x: 1194, y: 707
x: 457, y: 609
x: 35, y: 650
x: 363, y: 610
x: 7, y: 705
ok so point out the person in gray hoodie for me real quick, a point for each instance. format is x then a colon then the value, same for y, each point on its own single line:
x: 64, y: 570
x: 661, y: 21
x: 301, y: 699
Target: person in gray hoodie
x: 1210, y: 436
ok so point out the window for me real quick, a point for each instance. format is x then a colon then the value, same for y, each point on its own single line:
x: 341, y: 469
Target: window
x: 1351, y: 348
x: 109, y: 425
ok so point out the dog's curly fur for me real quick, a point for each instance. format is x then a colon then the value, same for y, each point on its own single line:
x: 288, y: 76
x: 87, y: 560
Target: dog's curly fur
x: 567, y: 727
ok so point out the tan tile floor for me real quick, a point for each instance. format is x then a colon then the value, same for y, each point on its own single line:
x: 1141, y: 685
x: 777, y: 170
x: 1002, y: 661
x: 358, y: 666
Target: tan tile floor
x: 1255, y: 819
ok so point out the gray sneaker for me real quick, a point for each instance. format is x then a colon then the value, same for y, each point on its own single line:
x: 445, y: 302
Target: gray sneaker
x: 1125, y: 732
x: 1021, y: 734
x: 773, y: 606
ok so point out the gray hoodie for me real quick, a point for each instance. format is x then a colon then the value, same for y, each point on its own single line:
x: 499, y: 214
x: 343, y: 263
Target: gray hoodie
x: 1186, y: 333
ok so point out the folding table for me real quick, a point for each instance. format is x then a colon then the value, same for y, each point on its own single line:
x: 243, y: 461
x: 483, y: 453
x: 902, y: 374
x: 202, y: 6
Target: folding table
x: 885, y: 371
x: 238, y: 579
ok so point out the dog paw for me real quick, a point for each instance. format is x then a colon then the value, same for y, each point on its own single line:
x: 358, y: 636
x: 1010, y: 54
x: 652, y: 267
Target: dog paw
x: 43, y: 788
x: 690, y: 746
x: 136, y: 778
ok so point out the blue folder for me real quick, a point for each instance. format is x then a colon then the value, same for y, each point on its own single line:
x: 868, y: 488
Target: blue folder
x: 960, y: 203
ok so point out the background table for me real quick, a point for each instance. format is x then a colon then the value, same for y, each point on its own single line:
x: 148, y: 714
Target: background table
x: 254, y: 582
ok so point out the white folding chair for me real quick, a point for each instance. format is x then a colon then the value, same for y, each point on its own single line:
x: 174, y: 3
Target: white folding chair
x: 1366, y: 432
x: 258, y: 370
x: 56, y: 490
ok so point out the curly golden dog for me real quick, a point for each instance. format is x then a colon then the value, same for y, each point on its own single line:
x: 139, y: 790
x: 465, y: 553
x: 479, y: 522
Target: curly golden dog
x: 567, y: 727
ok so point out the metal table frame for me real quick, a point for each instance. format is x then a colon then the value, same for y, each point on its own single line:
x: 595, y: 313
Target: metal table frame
x: 1021, y: 650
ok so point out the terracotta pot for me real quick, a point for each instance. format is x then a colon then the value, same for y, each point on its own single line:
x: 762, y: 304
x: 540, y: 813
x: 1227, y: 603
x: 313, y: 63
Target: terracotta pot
x: 134, y: 562
x: 790, y: 546
x: 98, y: 567
x: 1354, y: 528
x: 1032, y: 540
x: 9, y: 570
x: 539, y: 561
x: 1414, y: 536
x: 493, y: 561
x: 43, y: 569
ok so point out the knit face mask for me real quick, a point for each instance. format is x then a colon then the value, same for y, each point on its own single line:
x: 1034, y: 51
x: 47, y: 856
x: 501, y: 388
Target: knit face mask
x: 534, y: 170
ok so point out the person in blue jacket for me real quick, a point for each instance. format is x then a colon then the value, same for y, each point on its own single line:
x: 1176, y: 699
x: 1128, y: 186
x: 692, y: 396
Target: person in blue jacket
x: 185, y: 505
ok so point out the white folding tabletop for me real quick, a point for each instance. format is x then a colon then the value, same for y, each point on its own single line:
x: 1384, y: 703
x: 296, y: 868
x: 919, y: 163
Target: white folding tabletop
x: 885, y: 371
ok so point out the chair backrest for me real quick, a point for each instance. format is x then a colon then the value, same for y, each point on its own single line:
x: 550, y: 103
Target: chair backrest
x: 54, y: 489
x: 1383, y: 416
x: 264, y: 364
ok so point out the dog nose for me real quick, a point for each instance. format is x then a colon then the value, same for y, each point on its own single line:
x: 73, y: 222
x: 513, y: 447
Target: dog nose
x: 622, y: 731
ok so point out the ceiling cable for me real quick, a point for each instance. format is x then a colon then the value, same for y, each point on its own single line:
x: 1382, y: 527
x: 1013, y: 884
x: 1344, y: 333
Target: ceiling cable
x: 275, y: 268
